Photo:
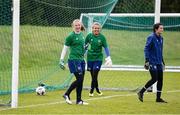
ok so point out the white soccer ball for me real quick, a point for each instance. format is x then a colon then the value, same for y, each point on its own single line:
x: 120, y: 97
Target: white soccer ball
x: 40, y: 90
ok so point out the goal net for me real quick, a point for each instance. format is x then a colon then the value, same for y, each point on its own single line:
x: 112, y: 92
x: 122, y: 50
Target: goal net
x: 126, y: 34
x: 44, y: 24
x: 5, y: 51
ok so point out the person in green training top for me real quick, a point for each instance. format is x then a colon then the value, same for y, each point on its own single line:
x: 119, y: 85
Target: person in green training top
x: 96, y: 41
x: 75, y: 42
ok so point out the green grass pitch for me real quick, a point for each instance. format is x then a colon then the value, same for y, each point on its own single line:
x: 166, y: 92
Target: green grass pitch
x: 39, y: 55
x: 112, y: 102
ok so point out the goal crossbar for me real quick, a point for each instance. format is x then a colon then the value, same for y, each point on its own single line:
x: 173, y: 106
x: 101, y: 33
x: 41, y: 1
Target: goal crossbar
x: 133, y: 14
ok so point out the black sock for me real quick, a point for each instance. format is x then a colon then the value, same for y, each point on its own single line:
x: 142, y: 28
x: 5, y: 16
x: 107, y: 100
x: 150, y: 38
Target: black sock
x: 158, y: 95
x: 143, y: 90
x: 72, y: 87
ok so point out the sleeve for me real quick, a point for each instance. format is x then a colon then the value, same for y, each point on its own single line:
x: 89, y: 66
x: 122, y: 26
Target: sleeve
x: 87, y: 39
x: 106, y: 50
x: 162, y: 52
x: 63, y: 53
x: 104, y: 42
x: 147, y: 48
x: 68, y: 40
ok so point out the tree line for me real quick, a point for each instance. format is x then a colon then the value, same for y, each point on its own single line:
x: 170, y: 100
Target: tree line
x: 46, y: 15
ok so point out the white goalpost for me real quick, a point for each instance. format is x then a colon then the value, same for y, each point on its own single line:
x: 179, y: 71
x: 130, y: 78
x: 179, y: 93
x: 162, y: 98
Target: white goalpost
x: 15, y: 58
x: 156, y: 18
x: 54, y: 19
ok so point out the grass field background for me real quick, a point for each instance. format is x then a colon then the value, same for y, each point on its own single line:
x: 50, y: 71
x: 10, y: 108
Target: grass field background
x: 112, y: 102
x: 40, y: 49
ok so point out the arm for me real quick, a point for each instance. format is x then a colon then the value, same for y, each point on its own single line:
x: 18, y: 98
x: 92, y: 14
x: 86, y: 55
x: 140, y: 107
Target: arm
x: 86, y: 48
x: 64, y: 51
x: 86, y: 44
x: 146, y: 52
x: 163, y: 63
x: 108, y: 60
x: 106, y: 50
x: 147, y: 48
x: 63, y: 54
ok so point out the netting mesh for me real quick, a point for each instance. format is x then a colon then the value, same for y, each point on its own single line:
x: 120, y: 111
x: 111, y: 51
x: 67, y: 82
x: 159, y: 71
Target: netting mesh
x: 127, y: 35
x: 5, y: 50
x: 44, y: 26
x: 126, y: 32
x: 46, y: 23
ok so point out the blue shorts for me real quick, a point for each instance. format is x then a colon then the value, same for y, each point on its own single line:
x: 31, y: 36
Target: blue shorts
x: 94, y: 65
x: 156, y: 67
x: 76, y: 66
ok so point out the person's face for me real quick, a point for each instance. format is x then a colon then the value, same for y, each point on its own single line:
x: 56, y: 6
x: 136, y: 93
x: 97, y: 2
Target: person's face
x: 77, y: 26
x: 160, y: 30
x: 96, y: 29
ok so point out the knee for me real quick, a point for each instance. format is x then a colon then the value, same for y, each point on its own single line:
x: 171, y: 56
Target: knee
x: 153, y: 80
x: 80, y: 80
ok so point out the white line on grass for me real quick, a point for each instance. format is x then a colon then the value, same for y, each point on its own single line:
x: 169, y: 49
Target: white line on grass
x: 60, y: 102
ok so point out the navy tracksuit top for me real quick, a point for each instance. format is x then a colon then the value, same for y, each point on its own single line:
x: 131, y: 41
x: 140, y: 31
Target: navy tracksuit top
x: 153, y: 50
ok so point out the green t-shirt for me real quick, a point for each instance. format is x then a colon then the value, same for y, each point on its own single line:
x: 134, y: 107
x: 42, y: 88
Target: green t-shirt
x: 76, y: 44
x: 95, y: 46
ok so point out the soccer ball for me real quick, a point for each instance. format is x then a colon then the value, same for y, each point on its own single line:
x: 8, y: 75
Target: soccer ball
x: 40, y: 90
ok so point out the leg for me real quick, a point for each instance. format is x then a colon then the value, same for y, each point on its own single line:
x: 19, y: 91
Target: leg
x: 72, y: 87
x: 72, y: 67
x: 80, y: 79
x: 151, y: 81
x: 66, y: 96
x: 96, y: 80
x: 159, y: 84
x: 148, y: 84
x: 96, y: 69
x: 92, y: 82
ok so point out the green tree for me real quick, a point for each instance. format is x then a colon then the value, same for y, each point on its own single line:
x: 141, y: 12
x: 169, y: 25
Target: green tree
x: 170, y: 6
x: 134, y: 6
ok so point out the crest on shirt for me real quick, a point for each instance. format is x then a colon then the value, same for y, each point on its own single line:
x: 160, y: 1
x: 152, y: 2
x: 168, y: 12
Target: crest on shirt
x: 155, y: 67
x: 99, y: 42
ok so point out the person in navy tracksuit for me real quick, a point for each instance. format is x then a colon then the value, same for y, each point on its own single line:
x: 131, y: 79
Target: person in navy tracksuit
x: 154, y: 62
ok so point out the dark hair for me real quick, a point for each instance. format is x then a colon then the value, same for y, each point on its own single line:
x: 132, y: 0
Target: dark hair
x: 156, y: 26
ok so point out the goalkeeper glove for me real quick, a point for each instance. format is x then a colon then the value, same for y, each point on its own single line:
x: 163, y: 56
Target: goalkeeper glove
x: 146, y: 65
x: 108, y: 61
x: 61, y: 64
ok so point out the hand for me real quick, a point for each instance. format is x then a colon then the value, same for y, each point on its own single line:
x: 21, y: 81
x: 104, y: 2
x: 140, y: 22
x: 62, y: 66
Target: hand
x: 146, y: 65
x: 108, y: 61
x: 61, y: 64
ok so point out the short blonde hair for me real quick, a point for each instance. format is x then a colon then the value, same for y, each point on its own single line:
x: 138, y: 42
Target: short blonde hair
x: 78, y: 20
x: 96, y: 23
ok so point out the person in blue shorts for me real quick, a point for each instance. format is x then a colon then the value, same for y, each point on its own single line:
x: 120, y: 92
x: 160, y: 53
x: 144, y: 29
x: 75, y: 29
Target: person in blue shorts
x: 96, y: 41
x: 154, y: 62
x: 75, y: 42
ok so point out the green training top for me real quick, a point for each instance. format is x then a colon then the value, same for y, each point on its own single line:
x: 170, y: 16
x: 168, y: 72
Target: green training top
x: 95, y: 46
x: 76, y: 44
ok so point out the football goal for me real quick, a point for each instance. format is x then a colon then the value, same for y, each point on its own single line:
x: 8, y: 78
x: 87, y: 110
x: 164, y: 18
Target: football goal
x: 39, y: 28
x: 32, y: 34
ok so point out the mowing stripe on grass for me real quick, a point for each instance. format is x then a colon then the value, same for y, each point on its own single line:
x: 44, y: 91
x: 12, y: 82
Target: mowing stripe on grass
x: 98, y: 98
